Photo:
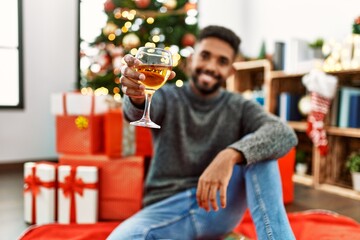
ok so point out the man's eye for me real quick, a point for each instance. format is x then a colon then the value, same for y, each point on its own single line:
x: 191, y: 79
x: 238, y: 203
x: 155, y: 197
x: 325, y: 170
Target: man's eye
x: 204, y: 56
x: 223, y: 62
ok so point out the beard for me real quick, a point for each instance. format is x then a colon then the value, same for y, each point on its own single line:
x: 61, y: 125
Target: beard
x: 205, y: 89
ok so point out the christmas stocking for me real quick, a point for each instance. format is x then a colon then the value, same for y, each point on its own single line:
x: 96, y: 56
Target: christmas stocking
x: 315, y: 129
x: 322, y: 88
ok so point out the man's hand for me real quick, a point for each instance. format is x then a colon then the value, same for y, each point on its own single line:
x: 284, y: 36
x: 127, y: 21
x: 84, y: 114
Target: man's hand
x: 130, y: 80
x: 216, y: 178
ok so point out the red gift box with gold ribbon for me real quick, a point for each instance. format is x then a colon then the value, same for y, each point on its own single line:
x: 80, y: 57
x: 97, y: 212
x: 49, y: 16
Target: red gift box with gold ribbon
x: 120, y: 183
x: 80, y: 134
x: 77, y: 194
x: 39, y: 192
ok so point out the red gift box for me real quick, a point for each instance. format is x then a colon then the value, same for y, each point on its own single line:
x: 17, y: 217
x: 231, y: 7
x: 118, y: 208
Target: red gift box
x: 120, y: 183
x: 114, y: 134
x: 143, y: 140
x: 286, y: 168
x: 79, y: 133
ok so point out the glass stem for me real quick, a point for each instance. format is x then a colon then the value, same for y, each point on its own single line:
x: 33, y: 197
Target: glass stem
x: 148, y: 98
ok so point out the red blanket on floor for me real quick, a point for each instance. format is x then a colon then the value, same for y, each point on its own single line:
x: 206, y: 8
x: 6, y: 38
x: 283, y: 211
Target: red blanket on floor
x: 307, y: 225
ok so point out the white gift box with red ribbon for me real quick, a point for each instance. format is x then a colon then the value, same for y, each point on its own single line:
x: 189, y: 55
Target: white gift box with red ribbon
x: 77, y: 194
x: 39, y: 193
x: 78, y: 104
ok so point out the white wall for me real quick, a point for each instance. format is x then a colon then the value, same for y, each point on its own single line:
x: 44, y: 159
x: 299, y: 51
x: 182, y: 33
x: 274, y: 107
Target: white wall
x: 274, y: 20
x: 50, y: 45
x: 228, y: 13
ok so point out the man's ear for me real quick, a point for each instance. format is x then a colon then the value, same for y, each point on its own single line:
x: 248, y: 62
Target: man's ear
x: 232, y: 70
x: 189, y: 60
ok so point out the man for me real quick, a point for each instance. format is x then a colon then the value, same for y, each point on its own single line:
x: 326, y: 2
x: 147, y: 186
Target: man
x: 213, y: 155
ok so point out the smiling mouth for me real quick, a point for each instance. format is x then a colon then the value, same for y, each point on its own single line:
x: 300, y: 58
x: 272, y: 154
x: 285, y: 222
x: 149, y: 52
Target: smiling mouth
x: 207, y: 78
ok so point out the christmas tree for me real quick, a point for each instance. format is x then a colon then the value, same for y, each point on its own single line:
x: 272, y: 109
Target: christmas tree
x: 130, y: 24
x: 356, y: 25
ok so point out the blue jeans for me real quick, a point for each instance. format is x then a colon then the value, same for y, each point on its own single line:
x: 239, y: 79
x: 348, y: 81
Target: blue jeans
x: 178, y: 217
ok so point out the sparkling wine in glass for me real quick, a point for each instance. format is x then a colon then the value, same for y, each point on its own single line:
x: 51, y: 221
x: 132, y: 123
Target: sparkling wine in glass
x: 156, y: 65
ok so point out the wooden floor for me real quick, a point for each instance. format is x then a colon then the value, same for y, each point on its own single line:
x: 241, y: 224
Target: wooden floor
x: 11, y: 202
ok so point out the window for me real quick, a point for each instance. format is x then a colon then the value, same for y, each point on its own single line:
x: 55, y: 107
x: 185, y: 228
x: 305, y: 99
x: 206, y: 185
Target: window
x: 11, y: 79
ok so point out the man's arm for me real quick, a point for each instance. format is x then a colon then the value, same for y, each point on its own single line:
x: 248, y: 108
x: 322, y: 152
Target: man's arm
x: 267, y: 137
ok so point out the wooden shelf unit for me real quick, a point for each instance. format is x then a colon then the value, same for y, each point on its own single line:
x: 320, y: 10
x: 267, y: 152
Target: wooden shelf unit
x: 326, y: 173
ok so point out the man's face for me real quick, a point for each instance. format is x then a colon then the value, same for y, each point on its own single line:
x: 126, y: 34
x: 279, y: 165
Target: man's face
x: 211, y: 65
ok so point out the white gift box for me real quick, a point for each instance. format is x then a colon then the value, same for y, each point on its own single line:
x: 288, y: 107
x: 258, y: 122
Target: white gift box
x: 77, y: 194
x: 78, y: 104
x: 39, y: 192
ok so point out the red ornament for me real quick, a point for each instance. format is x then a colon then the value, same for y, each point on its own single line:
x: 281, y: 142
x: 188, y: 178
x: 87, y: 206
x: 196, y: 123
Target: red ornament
x: 142, y: 3
x: 109, y: 6
x: 190, y: 6
x: 188, y: 39
x: 357, y: 20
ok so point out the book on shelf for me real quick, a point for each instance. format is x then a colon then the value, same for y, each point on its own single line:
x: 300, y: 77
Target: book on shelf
x: 334, y: 109
x: 279, y: 56
x: 354, y: 111
x: 344, y: 104
x: 288, y: 109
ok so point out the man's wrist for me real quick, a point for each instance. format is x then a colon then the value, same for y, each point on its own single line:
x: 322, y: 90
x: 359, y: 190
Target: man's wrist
x: 238, y: 157
x: 138, y: 102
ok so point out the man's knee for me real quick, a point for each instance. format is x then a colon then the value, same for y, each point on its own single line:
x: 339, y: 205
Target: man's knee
x: 128, y: 231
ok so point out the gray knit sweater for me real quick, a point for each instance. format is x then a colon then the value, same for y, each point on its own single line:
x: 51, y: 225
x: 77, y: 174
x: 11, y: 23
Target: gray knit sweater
x: 194, y: 130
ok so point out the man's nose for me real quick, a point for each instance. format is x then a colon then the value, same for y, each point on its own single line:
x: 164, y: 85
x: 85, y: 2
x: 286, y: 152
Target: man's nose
x: 211, y: 65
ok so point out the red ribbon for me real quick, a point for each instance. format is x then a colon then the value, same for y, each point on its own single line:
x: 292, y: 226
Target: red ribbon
x: 73, y: 185
x: 33, y: 183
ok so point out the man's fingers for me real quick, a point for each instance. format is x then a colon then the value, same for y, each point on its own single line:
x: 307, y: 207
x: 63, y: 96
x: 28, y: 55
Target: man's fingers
x: 172, y: 75
x: 128, y: 70
x: 205, y: 196
x: 136, y: 93
x: 223, y: 189
x: 131, y: 73
x: 131, y: 60
x: 212, y: 196
x: 198, y: 194
x: 131, y: 83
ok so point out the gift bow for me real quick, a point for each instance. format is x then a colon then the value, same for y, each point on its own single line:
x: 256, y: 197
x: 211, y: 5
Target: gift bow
x: 72, y: 185
x: 33, y: 183
x: 81, y: 122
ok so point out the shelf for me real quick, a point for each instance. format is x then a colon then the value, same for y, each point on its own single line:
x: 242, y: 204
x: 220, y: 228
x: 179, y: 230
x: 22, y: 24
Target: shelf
x: 335, y: 131
x: 308, y: 181
x: 255, y: 65
x: 303, y: 179
x: 298, y: 126
x: 326, y: 171
x: 284, y: 75
x: 345, y: 132
x: 350, y: 193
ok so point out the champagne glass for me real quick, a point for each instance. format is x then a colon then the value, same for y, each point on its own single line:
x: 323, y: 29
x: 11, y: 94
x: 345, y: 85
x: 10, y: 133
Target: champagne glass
x: 156, y: 65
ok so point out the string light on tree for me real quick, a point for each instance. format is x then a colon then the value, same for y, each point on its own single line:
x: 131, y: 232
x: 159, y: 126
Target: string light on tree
x: 170, y: 24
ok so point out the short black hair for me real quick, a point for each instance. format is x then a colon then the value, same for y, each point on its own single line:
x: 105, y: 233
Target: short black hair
x: 221, y: 33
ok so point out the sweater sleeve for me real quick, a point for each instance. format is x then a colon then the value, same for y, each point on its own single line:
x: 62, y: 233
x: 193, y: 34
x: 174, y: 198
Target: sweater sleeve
x: 131, y: 112
x: 266, y: 136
